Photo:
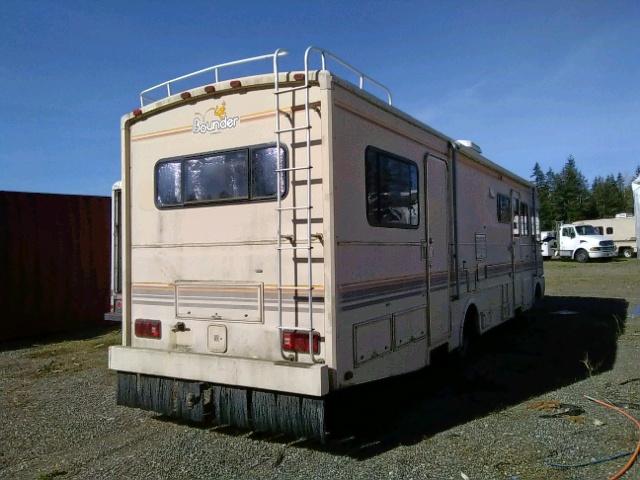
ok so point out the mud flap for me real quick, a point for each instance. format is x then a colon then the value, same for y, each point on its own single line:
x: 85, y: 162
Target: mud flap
x: 190, y: 401
x: 256, y: 410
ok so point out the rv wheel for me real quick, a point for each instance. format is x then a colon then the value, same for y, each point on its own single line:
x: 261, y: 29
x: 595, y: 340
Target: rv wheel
x: 582, y: 256
x: 627, y: 253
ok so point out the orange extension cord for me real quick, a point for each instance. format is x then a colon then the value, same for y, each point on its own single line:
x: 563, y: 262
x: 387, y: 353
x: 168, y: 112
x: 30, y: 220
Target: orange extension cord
x: 634, y: 456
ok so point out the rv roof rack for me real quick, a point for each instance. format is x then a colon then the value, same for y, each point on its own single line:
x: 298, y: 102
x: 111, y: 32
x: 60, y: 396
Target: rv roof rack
x: 216, y: 69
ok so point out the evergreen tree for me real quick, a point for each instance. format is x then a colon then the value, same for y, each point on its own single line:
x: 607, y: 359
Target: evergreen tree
x: 545, y: 208
x: 572, y: 196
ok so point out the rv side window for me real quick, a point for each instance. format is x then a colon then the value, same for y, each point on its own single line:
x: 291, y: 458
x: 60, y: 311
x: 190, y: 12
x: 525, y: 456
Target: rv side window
x: 524, y: 219
x: 504, y: 209
x: 516, y: 217
x: 392, y: 190
x: 609, y: 230
x: 239, y: 175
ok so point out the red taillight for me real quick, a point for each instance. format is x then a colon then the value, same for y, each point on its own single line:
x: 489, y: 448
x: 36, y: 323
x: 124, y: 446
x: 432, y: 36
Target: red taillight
x: 137, y: 112
x: 298, y: 77
x: 235, y: 83
x: 297, y: 341
x: 148, y: 328
x: 185, y: 95
x: 118, y: 306
x: 209, y: 89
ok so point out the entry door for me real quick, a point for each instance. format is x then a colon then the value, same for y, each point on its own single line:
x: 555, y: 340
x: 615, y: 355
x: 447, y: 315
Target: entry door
x: 437, y: 249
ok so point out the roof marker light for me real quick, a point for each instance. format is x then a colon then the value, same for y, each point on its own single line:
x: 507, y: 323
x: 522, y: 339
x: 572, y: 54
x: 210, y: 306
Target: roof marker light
x: 185, y: 95
x: 298, y: 77
x: 137, y: 112
x: 235, y: 83
x: 209, y: 89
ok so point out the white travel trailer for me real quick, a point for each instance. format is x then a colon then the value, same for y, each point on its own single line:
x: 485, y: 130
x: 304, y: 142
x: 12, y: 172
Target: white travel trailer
x: 288, y: 235
x: 115, y: 303
x: 621, y: 230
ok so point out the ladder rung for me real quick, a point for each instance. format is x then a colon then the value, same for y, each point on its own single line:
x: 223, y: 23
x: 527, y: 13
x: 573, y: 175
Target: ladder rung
x: 293, y: 129
x: 301, y: 207
x: 301, y: 287
x: 295, y: 248
x: 300, y: 329
x: 291, y: 89
x: 293, y: 169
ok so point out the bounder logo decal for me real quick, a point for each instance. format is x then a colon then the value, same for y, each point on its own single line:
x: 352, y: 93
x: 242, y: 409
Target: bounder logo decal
x: 214, y: 120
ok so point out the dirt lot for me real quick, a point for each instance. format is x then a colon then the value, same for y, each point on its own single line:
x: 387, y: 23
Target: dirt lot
x: 515, y: 410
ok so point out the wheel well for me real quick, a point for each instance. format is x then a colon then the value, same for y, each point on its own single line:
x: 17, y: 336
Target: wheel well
x: 577, y: 250
x: 538, y: 292
x: 471, y: 321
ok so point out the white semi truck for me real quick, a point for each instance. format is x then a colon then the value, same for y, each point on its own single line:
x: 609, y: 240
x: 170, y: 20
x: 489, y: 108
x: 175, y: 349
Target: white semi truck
x: 582, y: 242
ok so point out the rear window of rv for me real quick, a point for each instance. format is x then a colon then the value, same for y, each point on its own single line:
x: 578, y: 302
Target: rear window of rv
x: 240, y: 175
x: 392, y: 190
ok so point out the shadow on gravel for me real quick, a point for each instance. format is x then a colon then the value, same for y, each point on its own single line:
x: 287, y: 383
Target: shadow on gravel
x: 547, y: 348
x: 79, y: 334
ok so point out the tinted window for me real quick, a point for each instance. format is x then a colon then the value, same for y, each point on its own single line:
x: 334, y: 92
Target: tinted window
x: 169, y: 183
x: 504, y: 209
x: 392, y: 190
x: 217, y: 177
x: 587, y: 230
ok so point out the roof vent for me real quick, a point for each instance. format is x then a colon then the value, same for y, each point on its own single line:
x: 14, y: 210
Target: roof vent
x: 469, y: 144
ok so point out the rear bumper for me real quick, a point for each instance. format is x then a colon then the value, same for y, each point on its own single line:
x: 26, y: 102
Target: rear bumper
x: 282, y: 376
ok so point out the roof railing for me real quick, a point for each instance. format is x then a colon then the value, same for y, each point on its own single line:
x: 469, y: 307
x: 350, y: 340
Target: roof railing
x: 216, y: 74
x: 324, y: 56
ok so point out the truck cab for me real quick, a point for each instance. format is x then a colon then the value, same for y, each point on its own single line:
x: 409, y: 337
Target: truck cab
x: 583, y: 242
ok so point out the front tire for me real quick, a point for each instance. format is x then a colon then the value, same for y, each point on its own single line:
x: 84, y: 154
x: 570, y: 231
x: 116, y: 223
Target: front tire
x: 581, y: 256
x: 627, y: 253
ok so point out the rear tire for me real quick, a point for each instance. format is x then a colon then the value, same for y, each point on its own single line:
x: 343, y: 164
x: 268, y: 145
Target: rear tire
x: 581, y: 256
x: 627, y: 252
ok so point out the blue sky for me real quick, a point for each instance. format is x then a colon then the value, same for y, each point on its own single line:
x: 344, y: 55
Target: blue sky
x: 528, y: 81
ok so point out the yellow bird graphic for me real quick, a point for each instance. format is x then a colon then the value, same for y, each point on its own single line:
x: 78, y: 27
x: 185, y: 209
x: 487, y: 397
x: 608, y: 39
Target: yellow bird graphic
x: 221, y: 111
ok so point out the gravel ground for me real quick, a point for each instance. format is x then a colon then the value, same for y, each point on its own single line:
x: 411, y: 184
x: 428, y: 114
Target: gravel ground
x: 59, y: 418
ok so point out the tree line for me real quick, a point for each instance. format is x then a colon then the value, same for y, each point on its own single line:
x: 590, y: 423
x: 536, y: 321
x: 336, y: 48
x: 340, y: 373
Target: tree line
x: 567, y: 196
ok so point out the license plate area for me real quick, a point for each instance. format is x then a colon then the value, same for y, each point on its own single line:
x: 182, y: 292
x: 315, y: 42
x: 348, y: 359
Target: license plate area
x: 233, y: 302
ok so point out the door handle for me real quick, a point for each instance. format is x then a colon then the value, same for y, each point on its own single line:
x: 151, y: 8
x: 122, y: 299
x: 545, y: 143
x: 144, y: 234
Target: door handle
x: 423, y: 250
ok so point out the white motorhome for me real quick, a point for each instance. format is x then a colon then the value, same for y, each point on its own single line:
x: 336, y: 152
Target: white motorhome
x: 115, y: 304
x: 582, y: 242
x: 621, y: 230
x: 288, y: 235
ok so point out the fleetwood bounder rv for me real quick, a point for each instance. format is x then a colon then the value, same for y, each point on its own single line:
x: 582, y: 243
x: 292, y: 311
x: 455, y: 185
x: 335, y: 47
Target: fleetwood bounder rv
x: 288, y: 235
